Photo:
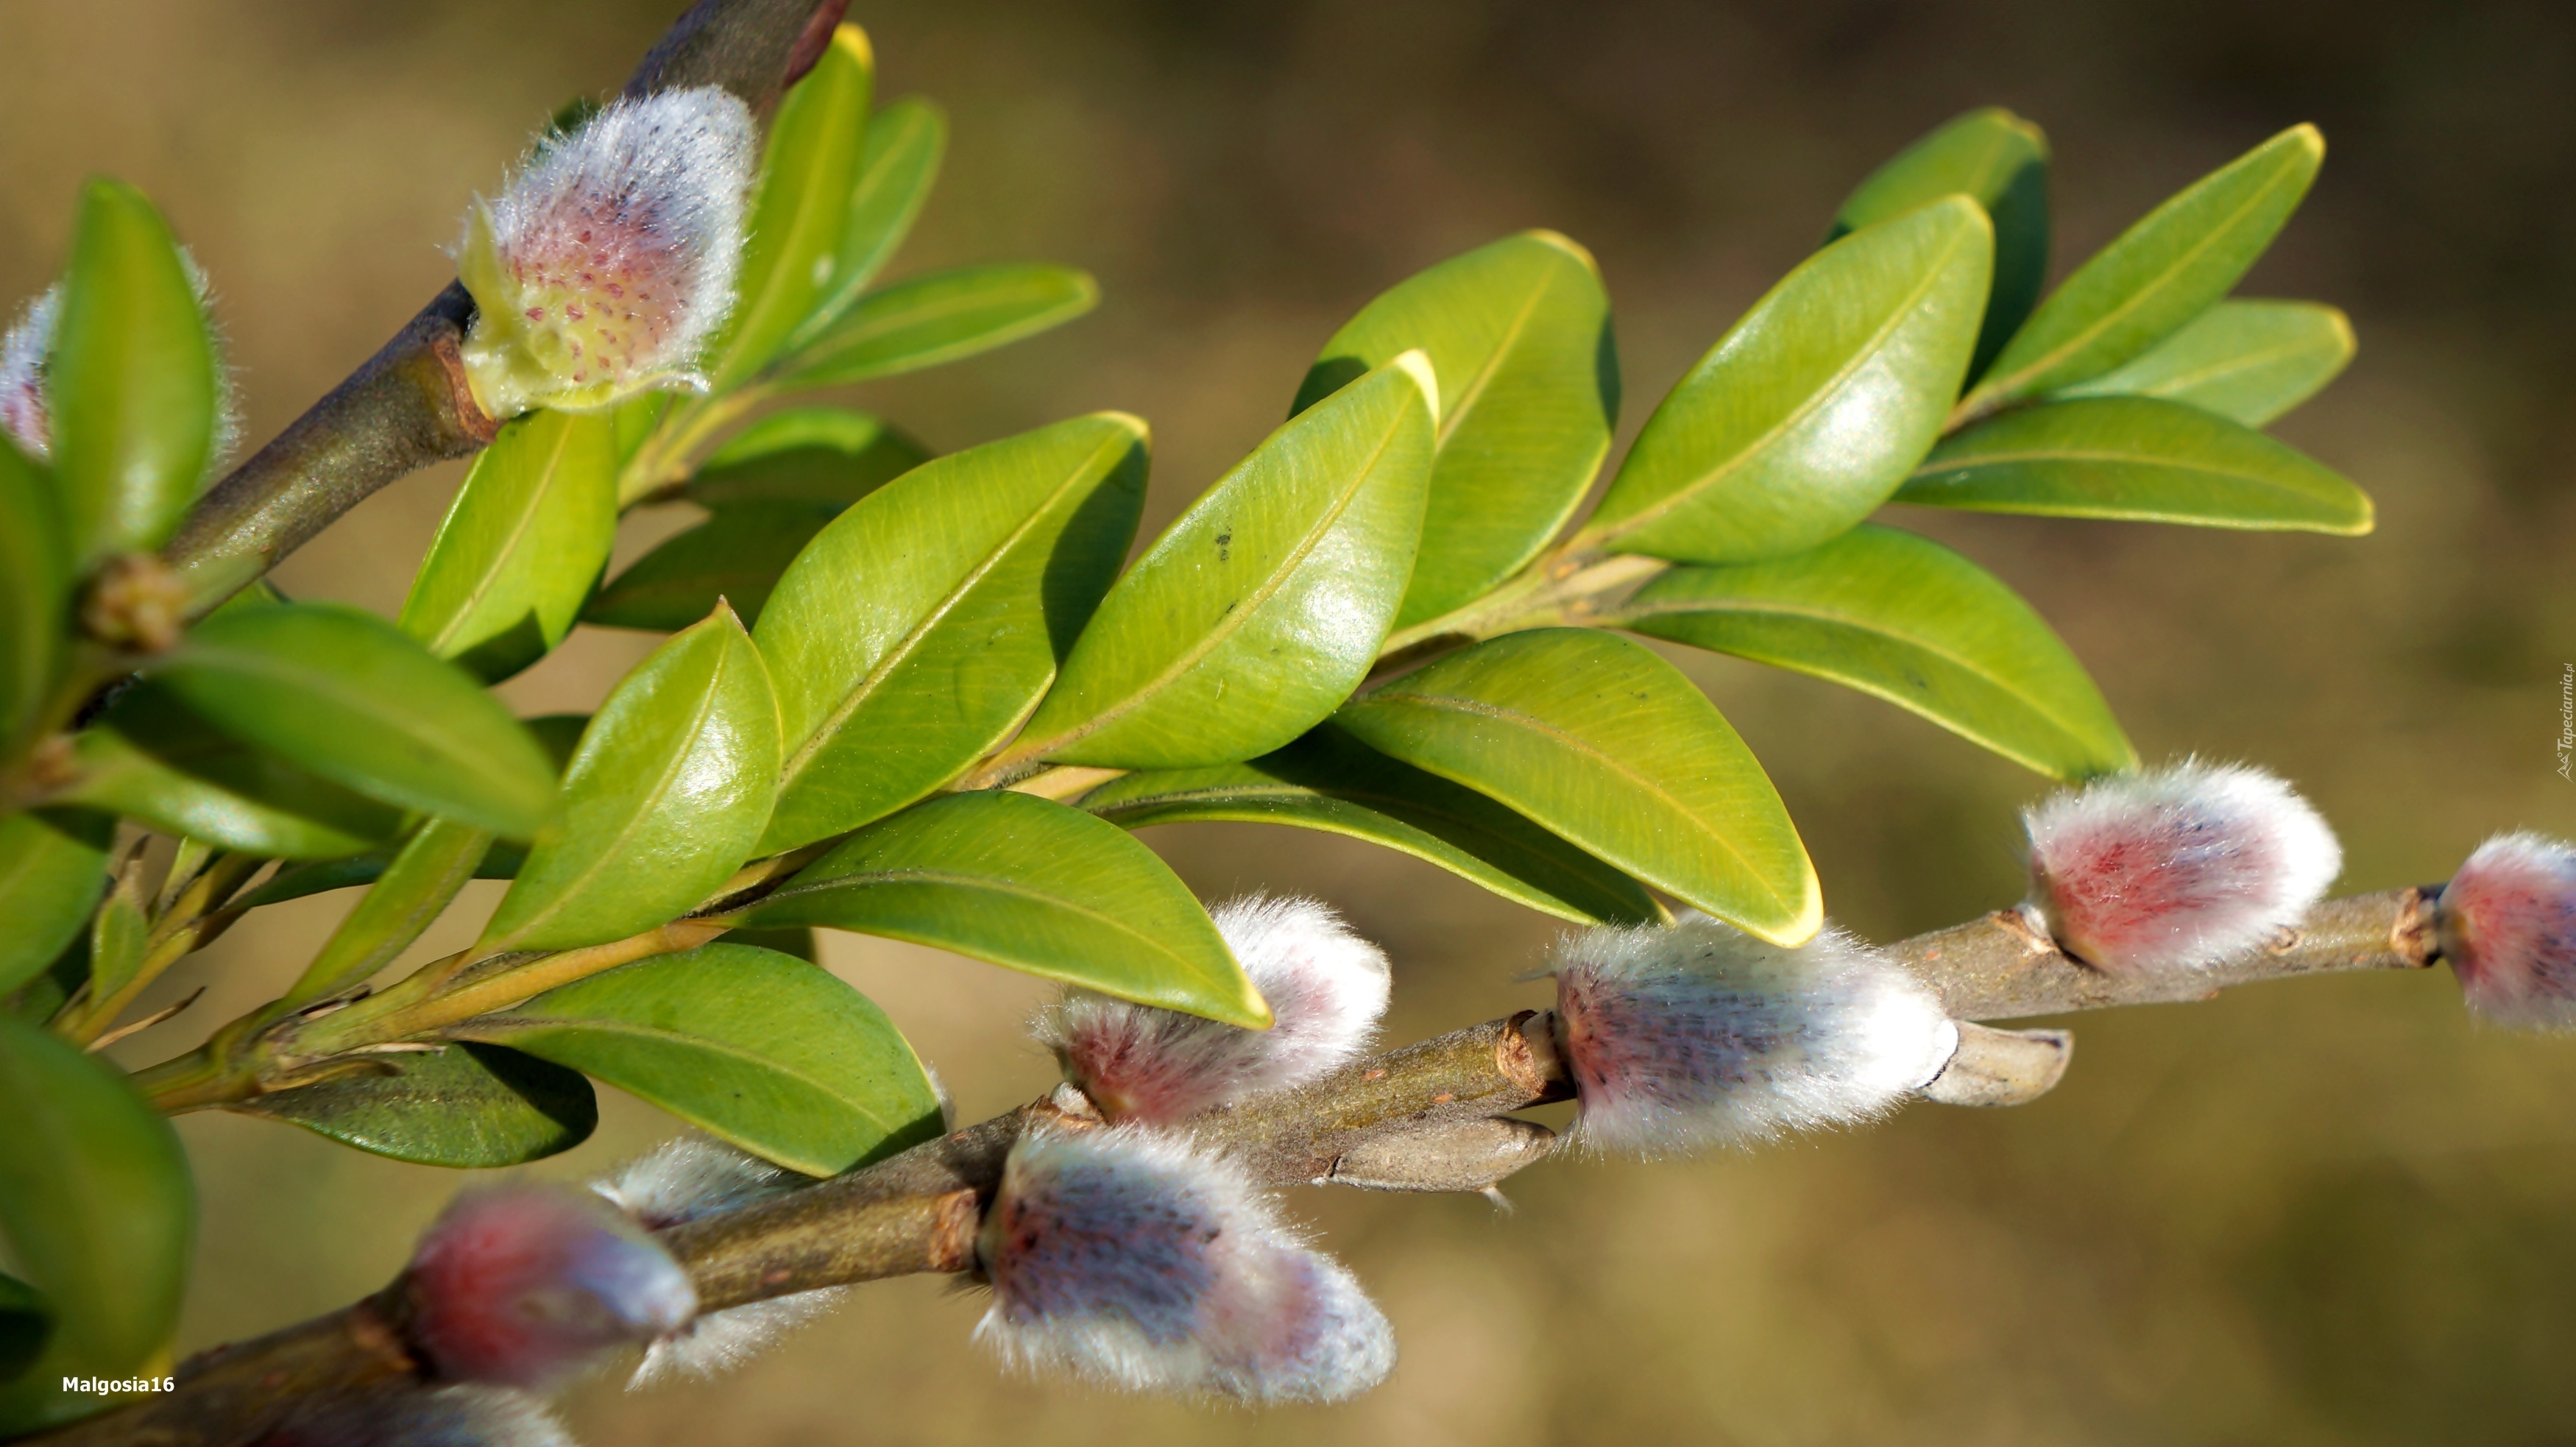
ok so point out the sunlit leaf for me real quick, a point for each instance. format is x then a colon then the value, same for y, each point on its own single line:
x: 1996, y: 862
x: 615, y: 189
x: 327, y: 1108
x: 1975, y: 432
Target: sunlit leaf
x: 522, y: 545
x: 2247, y: 361
x: 53, y: 863
x: 904, y: 145
x: 413, y: 890
x: 154, y: 760
x: 118, y: 934
x: 464, y: 1106
x: 1999, y: 160
x: 735, y: 557
x: 35, y: 592
x: 800, y: 205
x: 825, y: 457
x: 939, y: 318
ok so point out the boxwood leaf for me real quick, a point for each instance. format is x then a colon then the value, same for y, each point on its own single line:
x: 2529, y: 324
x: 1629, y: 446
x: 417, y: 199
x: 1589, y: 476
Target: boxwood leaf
x: 2247, y: 361
x: 1518, y: 333
x: 766, y: 1051
x: 1910, y: 621
x: 53, y: 863
x: 522, y: 545
x: 1999, y: 160
x: 467, y: 1106
x: 35, y: 593
x: 134, y: 383
x: 800, y: 204
x: 897, y: 167
x: 1030, y: 885
x: 154, y: 760
x: 1331, y: 782
x: 735, y: 556
x: 2139, y: 459
x: 413, y: 890
x: 797, y: 942
x: 346, y: 695
x: 2159, y: 274
x: 663, y: 800
x: 117, y: 936
x: 96, y: 1199
x: 917, y: 630
x: 939, y: 318
x: 1813, y: 408
x: 1263, y: 606
x: 1607, y: 745
x: 824, y: 457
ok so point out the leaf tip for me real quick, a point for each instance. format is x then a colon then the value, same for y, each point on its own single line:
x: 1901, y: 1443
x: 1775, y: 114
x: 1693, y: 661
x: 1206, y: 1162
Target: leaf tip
x: 1416, y: 364
x: 851, y: 40
x: 1143, y: 430
x: 1558, y: 240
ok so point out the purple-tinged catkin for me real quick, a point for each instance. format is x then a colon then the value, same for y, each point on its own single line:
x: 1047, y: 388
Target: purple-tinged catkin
x: 1326, y: 987
x: 1122, y: 1255
x: 609, y: 259
x: 1697, y: 1034
x: 526, y: 1285
x: 2507, y: 924
x: 2176, y: 868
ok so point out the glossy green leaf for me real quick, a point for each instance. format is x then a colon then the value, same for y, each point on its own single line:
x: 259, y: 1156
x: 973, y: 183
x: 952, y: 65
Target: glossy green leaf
x: 1029, y: 885
x: 2247, y: 361
x: 939, y: 318
x: 1518, y: 334
x: 768, y: 1052
x: 1999, y: 160
x: 800, y: 205
x: 904, y: 144
x: 160, y: 763
x: 466, y: 1106
x: 795, y: 943
x: 349, y: 697
x: 35, y: 594
x: 134, y: 382
x: 522, y: 545
x: 118, y: 934
x: 735, y: 557
x: 1329, y: 781
x: 823, y: 457
x: 501, y: 861
x: 2138, y: 459
x: 414, y: 889
x: 2159, y: 274
x: 1609, y: 746
x: 96, y: 1199
x: 921, y: 626
x: 1910, y: 621
x: 663, y: 801
x: 635, y: 420
x: 1813, y: 408
x: 1263, y: 606
x: 53, y: 862
x: 26, y: 1323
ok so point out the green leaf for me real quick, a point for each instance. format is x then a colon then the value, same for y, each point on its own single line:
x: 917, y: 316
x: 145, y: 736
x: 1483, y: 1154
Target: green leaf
x: 824, y: 457
x: 735, y: 557
x: 501, y: 861
x: 26, y: 1323
x: 1029, y: 885
x: 1609, y: 746
x: 800, y: 205
x: 414, y: 889
x: 1263, y: 606
x: 768, y: 1052
x: 2247, y: 361
x: 2159, y: 274
x: 939, y: 318
x: 2140, y: 460
x: 35, y: 595
x: 1518, y: 334
x: 466, y: 1106
x: 1812, y: 409
x: 118, y: 934
x: 1329, y: 781
x: 919, y: 628
x: 796, y: 943
x: 344, y: 694
x: 896, y: 170
x: 663, y: 801
x: 52, y: 865
x: 96, y: 1200
x: 522, y: 545
x: 636, y: 419
x: 1910, y: 621
x: 134, y: 382
x: 1999, y: 160
x: 156, y: 761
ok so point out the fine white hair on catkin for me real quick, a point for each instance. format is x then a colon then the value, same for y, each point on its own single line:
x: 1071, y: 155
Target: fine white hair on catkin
x: 26, y: 368
x: 1697, y: 1034
x: 1124, y: 1256
x: 1326, y: 987
x: 2507, y: 925
x: 2179, y: 867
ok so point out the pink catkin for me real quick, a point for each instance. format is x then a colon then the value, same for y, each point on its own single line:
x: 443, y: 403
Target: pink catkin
x: 524, y: 1285
x: 2178, y: 867
x: 2507, y: 924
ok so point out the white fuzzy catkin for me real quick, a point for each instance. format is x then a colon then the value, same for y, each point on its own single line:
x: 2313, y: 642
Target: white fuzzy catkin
x: 2507, y: 925
x: 1326, y: 987
x: 2179, y: 867
x: 1698, y: 1034
x: 610, y: 258
x: 683, y: 1180
x: 1124, y: 1256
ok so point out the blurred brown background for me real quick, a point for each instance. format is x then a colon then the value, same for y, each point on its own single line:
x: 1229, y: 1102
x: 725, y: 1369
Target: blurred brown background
x: 2329, y: 1212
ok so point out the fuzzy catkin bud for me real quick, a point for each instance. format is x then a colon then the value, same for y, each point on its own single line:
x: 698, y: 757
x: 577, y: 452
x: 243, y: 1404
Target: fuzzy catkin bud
x: 2176, y: 868
x: 610, y: 257
x: 1326, y: 987
x: 524, y: 1285
x: 1122, y: 1255
x: 1695, y: 1035
x: 2507, y: 924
